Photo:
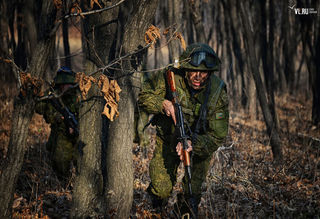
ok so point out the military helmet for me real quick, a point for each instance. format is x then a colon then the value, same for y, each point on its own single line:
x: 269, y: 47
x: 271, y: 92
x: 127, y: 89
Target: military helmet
x: 199, y: 56
x: 64, y: 76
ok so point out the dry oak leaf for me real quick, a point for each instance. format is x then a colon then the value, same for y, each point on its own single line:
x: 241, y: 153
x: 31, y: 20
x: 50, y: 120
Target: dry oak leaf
x: 92, y: 2
x: 6, y: 60
x: 179, y: 36
x: 75, y: 9
x: 30, y: 83
x: 166, y: 31
x: 84, y: 83
x: 110, y: 90
x: 152, y: 34
x: 57, y: 4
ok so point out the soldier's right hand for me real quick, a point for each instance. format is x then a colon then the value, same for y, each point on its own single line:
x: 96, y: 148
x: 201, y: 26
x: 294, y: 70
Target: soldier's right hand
x: 168, y: 109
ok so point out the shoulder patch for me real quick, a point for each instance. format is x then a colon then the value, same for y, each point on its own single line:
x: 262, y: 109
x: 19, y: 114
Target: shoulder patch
x: 220, y: 116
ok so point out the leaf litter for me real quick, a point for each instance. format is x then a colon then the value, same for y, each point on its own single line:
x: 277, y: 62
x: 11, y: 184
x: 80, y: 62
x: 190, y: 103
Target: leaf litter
x: 242, y: 182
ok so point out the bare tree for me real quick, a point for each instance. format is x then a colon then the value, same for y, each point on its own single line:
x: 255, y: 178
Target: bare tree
x: 119, y: 184
x: 23, y: 112
x: 111, y: 194
x: 195, y: 11
x: 99, y: 32
x: 253, y: 62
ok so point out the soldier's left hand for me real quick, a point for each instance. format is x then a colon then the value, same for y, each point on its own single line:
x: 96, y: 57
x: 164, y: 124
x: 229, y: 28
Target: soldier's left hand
x: 71, y: 131
x: 179, y: 149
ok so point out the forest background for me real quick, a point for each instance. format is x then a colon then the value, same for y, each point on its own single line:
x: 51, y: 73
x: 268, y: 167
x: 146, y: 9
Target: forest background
x: 269, y: 166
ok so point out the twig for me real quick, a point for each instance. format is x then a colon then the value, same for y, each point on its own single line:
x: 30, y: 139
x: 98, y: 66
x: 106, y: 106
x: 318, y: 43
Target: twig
x: 102, y: 69
x: 56, y: 26
x: 16, y: 69
x: 93, y: 12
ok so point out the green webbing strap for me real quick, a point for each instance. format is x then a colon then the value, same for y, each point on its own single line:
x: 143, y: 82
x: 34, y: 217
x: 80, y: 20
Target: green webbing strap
x: 203, y: 109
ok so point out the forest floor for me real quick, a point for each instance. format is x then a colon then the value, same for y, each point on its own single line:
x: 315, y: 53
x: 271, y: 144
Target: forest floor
x: 242, y: 183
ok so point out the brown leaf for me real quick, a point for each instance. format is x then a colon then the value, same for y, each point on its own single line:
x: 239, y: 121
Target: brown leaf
x: 166, y: 31
x: 84, y: 83
x: 110, y: 90
x: 75, y: 9
x: 29, y: 83
x: 92, y: 2
x: 6, y: 60
x: 57, y: 4
x: 179, y: 36
x: 103, y: 83
x: 152, y: 34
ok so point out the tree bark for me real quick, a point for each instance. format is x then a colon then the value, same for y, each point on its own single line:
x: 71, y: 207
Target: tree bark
x: 119, y: 186
x: 22, y: 114
x: 188, y: 23
x: 194, y: 7
x: 267, y: 55
x: 253, y: 62
x: 5, y: 69
x: 65, y: 35
x: 175, y: 20
x: 99, y: 32
x: 289, y: 48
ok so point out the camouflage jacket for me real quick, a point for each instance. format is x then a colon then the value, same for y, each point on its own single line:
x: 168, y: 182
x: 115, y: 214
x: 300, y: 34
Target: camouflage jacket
x: 155, y: 91
x: 52, y: 116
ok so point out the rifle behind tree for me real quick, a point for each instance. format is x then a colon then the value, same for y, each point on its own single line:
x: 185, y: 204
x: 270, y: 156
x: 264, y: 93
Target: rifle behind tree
x: 69, y: 118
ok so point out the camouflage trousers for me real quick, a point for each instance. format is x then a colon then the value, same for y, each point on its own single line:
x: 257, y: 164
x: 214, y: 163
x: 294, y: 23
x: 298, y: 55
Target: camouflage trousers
x: 62, y: 152
x: 163, y: 171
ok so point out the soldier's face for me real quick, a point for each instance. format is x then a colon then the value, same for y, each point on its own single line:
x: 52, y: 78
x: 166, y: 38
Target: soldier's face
x: 64, y: 87
x: 197, y: 78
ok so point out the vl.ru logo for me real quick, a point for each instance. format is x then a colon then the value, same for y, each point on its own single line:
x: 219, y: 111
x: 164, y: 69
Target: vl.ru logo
x: 302, y: 11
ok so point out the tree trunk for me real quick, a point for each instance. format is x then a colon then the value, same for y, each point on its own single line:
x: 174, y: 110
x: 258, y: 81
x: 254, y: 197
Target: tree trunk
x: 65, y: 35
x: 6, y: 73
x: 99, y: 31
x: 253, y: 62
x: 267, y: 55
x: 289, y: 48
x: 175, y: 19
x: 119, y: 186
x: 22, y: 114
x: 188, y: 23
x: 316, y: 83
x: 194, y: 7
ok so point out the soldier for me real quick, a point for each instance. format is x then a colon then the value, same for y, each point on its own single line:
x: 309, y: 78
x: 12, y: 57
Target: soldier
x: 63, y: 138
x: 200, y: 93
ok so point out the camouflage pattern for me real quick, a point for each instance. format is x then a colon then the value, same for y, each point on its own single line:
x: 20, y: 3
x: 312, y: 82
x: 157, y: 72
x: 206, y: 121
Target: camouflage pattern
x: 61, y: 144
x: 64, y: 76
x: 165, y: 161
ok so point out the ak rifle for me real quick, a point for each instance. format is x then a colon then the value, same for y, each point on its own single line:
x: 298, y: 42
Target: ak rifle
x: 183, y: 137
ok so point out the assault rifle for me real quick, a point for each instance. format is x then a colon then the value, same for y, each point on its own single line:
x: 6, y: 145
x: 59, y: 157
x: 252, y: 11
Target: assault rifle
x: 183, y: 137
x: 69, y: 118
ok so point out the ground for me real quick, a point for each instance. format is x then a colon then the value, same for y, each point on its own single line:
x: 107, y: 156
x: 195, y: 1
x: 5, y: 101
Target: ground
x: 243, y: 181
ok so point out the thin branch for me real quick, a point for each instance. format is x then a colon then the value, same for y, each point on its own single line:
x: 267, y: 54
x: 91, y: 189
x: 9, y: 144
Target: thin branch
x: 16, y: 69
x: 57, y: 25
x: 94, y: 11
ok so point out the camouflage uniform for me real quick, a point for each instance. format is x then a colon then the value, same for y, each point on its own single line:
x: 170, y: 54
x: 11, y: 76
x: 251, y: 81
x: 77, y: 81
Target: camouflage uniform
x: 61, y: 144
x: 165, y: 161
